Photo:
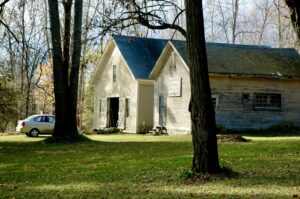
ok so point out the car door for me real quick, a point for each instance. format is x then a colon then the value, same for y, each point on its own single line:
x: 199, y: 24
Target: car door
x: 44, y: 125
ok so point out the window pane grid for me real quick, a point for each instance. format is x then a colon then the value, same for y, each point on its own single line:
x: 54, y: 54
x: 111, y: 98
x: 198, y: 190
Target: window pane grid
x: 272, y: 101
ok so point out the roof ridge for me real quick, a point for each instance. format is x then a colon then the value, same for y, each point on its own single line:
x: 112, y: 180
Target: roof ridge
x: 137, y: 37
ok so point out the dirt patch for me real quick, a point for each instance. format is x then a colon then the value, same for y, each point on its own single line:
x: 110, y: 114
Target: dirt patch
x: 232, y: 138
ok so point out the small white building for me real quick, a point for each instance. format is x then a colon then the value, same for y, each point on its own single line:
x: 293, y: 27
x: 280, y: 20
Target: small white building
x: 123, y: 93
x: 252, y: 87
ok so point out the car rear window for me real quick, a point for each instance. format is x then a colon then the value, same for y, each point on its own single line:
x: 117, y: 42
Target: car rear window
x: 51, y: 119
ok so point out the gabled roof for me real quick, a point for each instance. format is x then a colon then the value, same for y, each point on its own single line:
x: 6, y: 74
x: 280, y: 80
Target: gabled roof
x: 247, y: 59
x: 140, y: 53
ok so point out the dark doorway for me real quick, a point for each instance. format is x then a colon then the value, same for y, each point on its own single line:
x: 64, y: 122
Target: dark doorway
x: 113, y: 112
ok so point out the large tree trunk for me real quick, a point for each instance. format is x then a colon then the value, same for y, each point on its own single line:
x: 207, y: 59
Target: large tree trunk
x: 295, y: 16
x: 60, y: 81
x: 205, y: 158
x: 65, y: 80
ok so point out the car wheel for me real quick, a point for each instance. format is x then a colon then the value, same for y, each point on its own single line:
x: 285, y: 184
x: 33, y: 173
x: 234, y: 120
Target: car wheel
x: 34, y: 133
x: 28, y: 134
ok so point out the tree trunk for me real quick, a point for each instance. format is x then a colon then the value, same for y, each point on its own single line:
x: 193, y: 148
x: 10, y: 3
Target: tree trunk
x: 83, y: 67
x: 67, y: 35
x: 74, y: 75
x: 295, y: 16
x: 205, y: 158
x: 60, y: 81
x: 235, y: 10
x: 65, y: 80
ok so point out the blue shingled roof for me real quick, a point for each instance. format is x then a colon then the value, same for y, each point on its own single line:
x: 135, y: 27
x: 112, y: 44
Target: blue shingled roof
x: 140, y: 53
x: 247, y: 59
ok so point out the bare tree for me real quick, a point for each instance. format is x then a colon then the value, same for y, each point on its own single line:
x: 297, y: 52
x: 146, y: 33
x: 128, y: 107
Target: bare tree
x: 24, y: 57
x: 152, y: 14
x: 295, y: 16
x: 2, y: 5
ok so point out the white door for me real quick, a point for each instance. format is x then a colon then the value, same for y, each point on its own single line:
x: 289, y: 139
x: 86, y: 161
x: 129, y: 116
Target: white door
x: 122, y: 108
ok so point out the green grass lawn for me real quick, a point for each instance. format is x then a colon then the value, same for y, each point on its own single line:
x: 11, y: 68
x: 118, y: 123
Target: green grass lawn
x: 139, y: 166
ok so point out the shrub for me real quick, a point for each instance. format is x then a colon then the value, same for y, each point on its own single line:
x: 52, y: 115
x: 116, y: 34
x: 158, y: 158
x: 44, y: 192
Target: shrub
x: 110, y: 130
x: 221, y: 129
x: 8, y: 104
x: 283, y: 127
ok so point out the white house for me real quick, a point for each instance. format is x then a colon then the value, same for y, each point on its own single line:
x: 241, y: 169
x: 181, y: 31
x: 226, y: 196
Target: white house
x: 123, y: 93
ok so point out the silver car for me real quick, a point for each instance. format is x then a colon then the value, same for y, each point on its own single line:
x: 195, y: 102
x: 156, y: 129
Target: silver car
x: 36, y: 124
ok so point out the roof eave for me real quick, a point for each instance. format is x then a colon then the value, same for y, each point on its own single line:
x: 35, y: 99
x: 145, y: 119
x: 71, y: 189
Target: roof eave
x: 253, y: 75
x: 159, y: 63
x: 180, y: 56
x: 100, y: 63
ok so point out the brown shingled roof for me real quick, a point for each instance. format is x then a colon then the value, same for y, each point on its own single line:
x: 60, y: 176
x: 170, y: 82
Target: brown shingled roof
x: 248, y: 59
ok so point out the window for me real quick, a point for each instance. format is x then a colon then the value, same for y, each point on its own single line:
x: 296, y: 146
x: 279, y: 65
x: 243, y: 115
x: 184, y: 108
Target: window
x: 215, y: 100
x: 51, y: 119
x: 38, y: 119
x: 46, y: 119
x: 245, y: 98
x: 175, y: 86
x: 114, y: 73
x: 267, y: 101
x: 127, y: 105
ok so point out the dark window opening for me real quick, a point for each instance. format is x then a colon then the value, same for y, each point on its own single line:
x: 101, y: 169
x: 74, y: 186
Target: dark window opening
x: 245, y: 98
x: 214, y: 101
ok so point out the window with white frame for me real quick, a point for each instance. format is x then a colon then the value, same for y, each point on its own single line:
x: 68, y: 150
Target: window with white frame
x: 215, y: 100
x: 271, y: 101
